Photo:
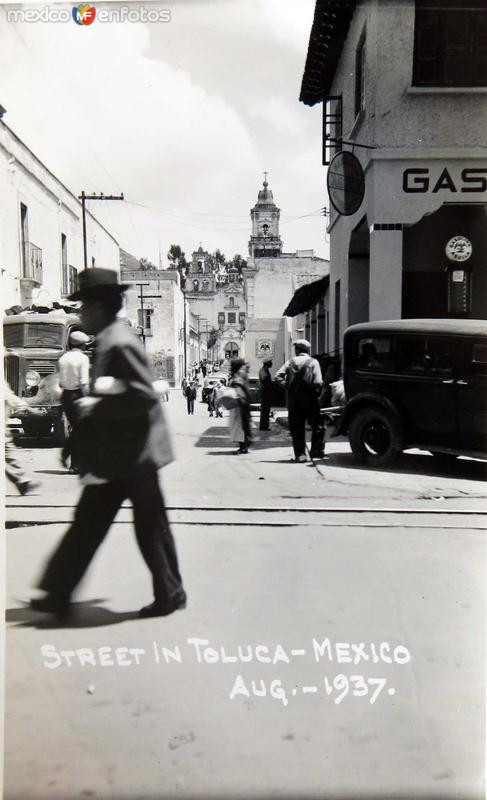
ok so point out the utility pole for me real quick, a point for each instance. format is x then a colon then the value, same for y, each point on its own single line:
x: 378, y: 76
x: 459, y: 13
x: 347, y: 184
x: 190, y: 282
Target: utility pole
x: 199, y: 340
x: 143, y: 297
x: 198, y: 317
x: 84, y: 197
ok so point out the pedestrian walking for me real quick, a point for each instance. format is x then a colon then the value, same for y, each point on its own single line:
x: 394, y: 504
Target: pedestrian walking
x: 265, y: 386
x: 240, y: 430
x: 13, y: 470
x: 122, y: 440
x: 301, y: 376
x: 74, y: 380
x: 191, y: 396
x: 216, y: 395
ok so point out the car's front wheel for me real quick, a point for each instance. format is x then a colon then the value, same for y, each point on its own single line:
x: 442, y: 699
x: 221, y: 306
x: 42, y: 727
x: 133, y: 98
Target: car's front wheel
x: 375, y: 437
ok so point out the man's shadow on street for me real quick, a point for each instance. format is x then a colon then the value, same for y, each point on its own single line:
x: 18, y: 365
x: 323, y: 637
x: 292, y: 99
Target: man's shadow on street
x: 262, y: 440
x: 85, y: 614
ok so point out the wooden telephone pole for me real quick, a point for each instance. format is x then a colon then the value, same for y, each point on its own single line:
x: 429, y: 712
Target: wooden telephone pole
x: 84, y: 197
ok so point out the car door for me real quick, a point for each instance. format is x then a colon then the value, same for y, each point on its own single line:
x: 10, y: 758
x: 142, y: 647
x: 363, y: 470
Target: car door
x: 471, y: 389
x: 427, y: 388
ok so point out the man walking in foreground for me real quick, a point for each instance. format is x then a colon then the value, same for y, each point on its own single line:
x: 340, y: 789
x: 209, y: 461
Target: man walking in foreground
x: 121, y: 440
x: 301, y: 376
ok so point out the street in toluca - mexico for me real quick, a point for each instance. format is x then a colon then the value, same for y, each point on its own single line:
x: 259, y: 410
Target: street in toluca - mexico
x: 333, y: 644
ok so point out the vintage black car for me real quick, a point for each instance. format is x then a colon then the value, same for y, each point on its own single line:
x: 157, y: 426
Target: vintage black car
x: 415, y: 383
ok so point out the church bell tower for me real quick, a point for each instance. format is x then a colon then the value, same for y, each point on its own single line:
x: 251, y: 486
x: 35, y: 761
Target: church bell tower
x: 265, y: 241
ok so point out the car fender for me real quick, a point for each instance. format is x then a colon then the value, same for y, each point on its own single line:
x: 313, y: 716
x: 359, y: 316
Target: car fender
x: 361, y: 401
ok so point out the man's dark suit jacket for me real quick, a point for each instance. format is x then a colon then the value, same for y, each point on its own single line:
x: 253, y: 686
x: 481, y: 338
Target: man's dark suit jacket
x: 124, y: 434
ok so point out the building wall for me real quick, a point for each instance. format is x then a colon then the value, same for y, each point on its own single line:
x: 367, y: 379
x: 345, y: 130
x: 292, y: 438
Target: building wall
x: 269, y: 281
x: 275, y: 335
x: 52, y: 210
x: 411, y: 128
x: 163, y: 296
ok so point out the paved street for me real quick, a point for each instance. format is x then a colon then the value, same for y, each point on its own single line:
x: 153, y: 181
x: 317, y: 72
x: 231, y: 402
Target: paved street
x: 333, y: 645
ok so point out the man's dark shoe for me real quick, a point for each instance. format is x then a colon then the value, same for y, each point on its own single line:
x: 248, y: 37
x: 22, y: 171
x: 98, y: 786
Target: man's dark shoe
x: 317, y: 455
x: 50, y: 605
x: 156, y: 609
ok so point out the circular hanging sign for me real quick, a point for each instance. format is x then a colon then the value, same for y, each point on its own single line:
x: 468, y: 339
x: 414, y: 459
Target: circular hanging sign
x: 346, y: 183
x: 459, y: 248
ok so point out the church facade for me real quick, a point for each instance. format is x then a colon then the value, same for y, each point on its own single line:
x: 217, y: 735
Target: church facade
x: 216, y: 298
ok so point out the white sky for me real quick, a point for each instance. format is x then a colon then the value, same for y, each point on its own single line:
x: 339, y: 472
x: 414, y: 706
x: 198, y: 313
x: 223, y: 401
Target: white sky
x: 183, y: 116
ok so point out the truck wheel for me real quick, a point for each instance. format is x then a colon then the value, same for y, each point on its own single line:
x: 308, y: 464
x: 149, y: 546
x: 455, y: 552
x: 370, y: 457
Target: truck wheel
x: 374, y: 437
x: 36, y: 427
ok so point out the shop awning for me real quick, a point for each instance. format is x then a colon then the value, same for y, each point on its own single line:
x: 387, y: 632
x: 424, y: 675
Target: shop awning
x: 307, y: 296
x: 328, y: 33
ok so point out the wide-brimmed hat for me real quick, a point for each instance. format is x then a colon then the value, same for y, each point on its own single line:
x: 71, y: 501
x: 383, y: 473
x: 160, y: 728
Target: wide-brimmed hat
x: 95, y: 281
x: 302, y: 344
x: 267, y: 360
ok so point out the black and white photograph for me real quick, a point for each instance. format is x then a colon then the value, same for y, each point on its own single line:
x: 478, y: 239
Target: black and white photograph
x: 243, y: 280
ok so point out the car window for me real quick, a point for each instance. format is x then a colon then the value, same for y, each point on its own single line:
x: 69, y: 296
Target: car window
x: 376, y: 354
x: 477, y: 358
x: 427, y: 355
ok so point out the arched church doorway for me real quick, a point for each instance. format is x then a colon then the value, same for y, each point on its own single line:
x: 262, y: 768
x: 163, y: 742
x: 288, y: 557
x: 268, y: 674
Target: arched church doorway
x: 231, y: 350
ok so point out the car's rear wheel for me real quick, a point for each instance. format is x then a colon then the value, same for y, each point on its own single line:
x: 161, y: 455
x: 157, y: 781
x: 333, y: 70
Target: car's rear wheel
x: 375, y: 437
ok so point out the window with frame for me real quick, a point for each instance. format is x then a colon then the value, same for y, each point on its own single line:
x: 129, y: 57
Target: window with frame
x: 360, y: 76
x: 377, y: 354
x: 477, y: 362
x: 232, y: 318
x: 145, y: 320
x: 427, y: 355
x: 64, y: 264
x: 450, y: 43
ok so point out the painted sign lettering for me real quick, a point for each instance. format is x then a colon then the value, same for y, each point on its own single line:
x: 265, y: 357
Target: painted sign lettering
x: 418, y: 180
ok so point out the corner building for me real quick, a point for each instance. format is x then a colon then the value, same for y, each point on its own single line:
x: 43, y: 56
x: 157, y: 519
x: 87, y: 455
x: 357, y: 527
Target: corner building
x: 404, y: 85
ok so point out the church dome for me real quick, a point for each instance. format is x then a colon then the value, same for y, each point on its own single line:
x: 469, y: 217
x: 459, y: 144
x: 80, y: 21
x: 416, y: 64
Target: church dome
x: 265, y: 195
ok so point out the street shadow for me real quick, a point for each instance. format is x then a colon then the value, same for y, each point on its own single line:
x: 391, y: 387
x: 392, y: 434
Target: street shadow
x: 290, y: 461
x: 414, y: 464
x: 262, y: 440
x: 85, y: 614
